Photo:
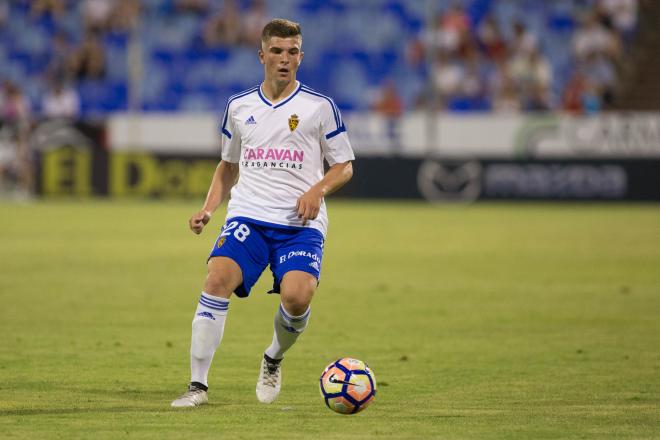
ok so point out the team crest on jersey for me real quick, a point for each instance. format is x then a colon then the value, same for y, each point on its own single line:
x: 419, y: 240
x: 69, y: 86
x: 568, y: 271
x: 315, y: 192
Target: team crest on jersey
x: 293, y: 122
x: 221, y: 241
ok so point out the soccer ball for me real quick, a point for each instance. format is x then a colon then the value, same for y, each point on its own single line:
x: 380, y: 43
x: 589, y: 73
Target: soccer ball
x: 348, y: 386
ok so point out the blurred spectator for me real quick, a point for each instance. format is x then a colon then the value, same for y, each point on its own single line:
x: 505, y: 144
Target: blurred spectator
x: 254, y: 20
x: 4, y: 12
x: 531, y: 71
x: 197, y: 7
x: 593, y: 38
x: 96, y: 14
x: 451, y: 32
x: 523, y: 42
x: 61, y: 101
x: 54, y: 8
x: 88, y: 60
x: 533, y: 75
x: 125, y: 16
x: 60, y: 55
x: 14, y: 106
x: 622, y: 15
x: 15, y: 157
x: 448, y: 74
x: 572, y: 99
x: 388, y: 103
x: 580, y: 96
x: 600, y: 74
x: 415, y: 53
x: 506, y: 98
x: 455, y: 25
x: 491, y: 41
x: 473, y: 83
x: 224, y: 27
x: 591, y: 100
x: 456, y: 20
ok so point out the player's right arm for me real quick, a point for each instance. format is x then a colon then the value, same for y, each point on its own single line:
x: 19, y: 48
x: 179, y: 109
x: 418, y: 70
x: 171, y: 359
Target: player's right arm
x: 225, y: 176
x: 226, y: 173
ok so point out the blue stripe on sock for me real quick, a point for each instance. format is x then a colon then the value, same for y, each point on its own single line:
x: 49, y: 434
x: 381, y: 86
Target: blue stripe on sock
x: 291, y: 318
x: 218, y: 309
x: 213, y: 306
x: 220, y: 305
x: 215, y: 300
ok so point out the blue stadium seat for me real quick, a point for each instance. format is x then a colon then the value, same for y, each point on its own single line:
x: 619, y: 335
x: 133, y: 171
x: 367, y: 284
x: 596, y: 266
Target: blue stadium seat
x: 100, y: 97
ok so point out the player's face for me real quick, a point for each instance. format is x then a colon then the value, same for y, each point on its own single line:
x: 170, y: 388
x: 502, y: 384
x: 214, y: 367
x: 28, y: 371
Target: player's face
x: 281, y: 58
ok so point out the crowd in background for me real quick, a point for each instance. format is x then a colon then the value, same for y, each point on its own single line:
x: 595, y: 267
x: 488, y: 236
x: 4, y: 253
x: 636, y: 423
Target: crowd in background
x: 463, y: 61
x: 484, y: 67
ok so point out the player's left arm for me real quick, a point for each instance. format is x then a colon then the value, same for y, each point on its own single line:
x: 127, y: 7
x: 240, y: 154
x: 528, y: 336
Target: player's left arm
x: 337, y: 152
x: 309, y: 204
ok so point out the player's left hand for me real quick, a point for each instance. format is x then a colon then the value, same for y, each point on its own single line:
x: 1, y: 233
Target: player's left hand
x: 308, y: 205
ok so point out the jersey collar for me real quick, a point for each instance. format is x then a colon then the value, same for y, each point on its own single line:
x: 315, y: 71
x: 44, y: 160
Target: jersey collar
x: 281, y: 103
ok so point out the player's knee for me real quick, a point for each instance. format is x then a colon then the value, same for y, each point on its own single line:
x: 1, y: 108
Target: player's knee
x: 295, y: 306
x: 223, y: 277
x: 218, y: 284
x: 297, y: 290
x: 297, y: 302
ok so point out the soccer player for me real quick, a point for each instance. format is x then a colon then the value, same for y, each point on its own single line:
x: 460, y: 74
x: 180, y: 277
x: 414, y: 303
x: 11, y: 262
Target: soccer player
x: 275, y: 137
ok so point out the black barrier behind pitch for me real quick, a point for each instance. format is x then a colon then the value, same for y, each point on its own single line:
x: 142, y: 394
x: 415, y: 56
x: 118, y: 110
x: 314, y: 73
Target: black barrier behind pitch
x: 72, y: 160
x: 483, y: 179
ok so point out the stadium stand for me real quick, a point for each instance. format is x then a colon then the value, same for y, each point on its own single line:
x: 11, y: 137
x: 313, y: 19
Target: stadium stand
x: 471, y: 55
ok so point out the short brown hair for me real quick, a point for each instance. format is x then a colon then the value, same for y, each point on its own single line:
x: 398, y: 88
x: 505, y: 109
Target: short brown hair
x: 282, y: 28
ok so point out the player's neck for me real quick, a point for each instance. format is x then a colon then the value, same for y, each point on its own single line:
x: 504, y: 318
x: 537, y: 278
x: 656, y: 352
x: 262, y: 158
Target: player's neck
x: 276, y: 91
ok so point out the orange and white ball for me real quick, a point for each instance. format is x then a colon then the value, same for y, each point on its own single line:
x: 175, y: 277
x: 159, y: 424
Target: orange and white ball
x: 348, y: 386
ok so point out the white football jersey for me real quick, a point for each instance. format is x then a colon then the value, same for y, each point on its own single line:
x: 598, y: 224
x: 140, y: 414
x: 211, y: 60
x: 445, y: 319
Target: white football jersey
x: 280, y: 150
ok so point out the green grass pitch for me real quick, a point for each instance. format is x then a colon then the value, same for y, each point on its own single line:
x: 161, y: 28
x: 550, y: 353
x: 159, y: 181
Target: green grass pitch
x: 512, y: 321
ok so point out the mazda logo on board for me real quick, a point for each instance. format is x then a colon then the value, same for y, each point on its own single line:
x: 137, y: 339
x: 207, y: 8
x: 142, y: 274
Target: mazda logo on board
x: 449, y: 181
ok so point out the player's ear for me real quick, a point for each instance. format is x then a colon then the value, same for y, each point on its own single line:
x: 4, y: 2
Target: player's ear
x: 302, y: 55
x: 261, y: 56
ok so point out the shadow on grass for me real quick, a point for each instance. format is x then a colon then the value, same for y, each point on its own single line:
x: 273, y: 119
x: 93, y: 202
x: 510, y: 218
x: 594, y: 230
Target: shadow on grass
x: 100, y: 401
x: 108, y: 410
x: 132, y: 394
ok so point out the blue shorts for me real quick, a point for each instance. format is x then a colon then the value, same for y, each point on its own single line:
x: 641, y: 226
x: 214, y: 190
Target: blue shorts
x: 254, y: 244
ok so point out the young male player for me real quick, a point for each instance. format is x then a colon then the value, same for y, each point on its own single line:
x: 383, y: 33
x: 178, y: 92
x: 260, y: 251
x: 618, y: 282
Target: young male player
x: 275, y: 137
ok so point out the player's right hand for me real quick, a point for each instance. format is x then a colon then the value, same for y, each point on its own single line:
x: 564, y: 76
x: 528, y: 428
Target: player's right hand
x: 198, y: 221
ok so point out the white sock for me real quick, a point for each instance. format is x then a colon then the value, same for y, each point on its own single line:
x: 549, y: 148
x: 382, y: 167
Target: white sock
x: 287, y: 330
x: 207, y: 327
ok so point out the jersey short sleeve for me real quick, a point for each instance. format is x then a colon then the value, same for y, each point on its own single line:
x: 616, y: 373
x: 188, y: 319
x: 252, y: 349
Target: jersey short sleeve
x: 231, y: 139
x: 334, y: 140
